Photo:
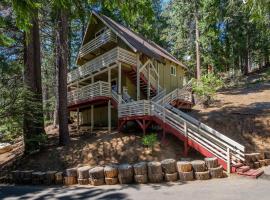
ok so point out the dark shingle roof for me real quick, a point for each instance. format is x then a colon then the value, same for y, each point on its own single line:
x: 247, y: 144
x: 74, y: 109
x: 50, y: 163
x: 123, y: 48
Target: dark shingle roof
x: 137, y: 42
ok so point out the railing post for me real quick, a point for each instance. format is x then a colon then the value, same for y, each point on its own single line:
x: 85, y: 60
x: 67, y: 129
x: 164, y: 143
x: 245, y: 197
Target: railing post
x: 228, y: 161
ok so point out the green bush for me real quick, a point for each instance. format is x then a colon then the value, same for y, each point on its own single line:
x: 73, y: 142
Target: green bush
x: 150, y: 140
x: 207, y: 87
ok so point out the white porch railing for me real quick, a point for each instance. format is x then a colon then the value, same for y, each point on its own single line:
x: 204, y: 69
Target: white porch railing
x: 96, y: 89
x: 218, y: 144
x: 102, y: 61
x: 107, y: 36
x: 135, y: 108
x: 184, y: 93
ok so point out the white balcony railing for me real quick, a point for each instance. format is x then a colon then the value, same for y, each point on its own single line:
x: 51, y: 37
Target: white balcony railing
x: 96, y: 89
x: 102, y: 61
x: 99, y: 41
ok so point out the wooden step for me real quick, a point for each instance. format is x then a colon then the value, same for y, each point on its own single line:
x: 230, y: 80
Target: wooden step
x: 252, y: 173
x: 242, y: 169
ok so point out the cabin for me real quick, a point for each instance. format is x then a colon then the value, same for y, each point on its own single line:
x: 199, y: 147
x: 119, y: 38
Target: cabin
x: 122, y: 77
x: 116, y: 63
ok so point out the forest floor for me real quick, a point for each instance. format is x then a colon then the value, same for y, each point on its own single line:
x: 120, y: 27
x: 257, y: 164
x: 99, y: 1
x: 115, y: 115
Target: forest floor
x: 242, y: 112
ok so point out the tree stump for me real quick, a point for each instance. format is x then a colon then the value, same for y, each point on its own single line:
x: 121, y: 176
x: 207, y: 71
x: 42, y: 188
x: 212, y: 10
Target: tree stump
x: 59, y: 178
x: 184, y: 166
x: 111, y: 171
x: 211, y: 162
x: 50, y: 177
x: 202, y: 175
x: 257, y: 165
x: 262, y: 163
x: 141, y: 179
x: 83, y: 172
x: 168, y: 166
x: 125, y: 173
x: 154, y: 168
x: 267, y: 155
x: 186, y: 176
x: 140, y: 168
x: 111, y: 181
x: 70, y: 180
x: 72, y: 172
x: 216, y: 172
x: 83, y: 181
x: 16, y: 176
x: 198, y: 165
x: 96, y: 173
x: 96, y: 181
x: 171, y: 177
x: 267, y: 161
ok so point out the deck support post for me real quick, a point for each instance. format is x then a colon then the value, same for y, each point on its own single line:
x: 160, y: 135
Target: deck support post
x: 119, y: 79
x: 148, y: 82
x: 144, y: 127
x: 92, y: 111
x: 109, y: 102
x: 186, y: 139
x: 138, y: 77
x: 78, y: 119
x: 228, y: 161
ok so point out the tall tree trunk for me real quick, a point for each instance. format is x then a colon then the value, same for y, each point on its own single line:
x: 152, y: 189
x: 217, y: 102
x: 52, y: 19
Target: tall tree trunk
x: 62, y: 62
x: 33, y: 125
x: 198, y: 59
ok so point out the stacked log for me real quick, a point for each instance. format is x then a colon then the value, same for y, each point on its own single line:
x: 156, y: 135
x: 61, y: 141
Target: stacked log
x: 49, y: 177
x: 255, y: 160
x: 169, y: 169
x: 155, y: 174
x: 59, y: 178
x: 16, y: 176
x: 96, y: 176
x: 83, y: 175
x: 71, y: 176
x: 185, y: 171
x: 200, y: 169
x: 215, y: 170
x: 140, y: 172
x: 125, y: 173
x: 111, y: 173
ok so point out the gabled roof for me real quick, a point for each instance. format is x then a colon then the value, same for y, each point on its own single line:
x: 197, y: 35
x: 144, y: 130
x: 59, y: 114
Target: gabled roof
x: 136, y: 42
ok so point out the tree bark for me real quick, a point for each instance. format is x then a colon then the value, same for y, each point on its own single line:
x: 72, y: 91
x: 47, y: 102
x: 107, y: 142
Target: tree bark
x: 198, y: 59
x: 62, y: 63
x: 33, y: 124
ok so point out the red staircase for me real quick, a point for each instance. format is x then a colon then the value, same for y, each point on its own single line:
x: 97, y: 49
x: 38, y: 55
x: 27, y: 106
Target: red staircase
x: 143, y: 82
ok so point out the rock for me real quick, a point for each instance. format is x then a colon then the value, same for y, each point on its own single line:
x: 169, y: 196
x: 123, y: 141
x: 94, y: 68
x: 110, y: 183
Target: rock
x: 5, y: 147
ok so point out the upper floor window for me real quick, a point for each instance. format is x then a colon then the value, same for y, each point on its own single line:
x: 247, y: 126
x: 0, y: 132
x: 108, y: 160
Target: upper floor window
x: 173, y: 70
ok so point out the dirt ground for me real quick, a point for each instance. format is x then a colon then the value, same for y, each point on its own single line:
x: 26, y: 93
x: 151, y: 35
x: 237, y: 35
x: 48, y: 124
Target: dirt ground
x: 242, y: 113
x: 101, y: 148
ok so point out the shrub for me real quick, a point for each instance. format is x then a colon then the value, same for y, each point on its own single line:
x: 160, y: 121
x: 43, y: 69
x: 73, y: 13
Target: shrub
x: 207, y: 87
x: 149, y: 140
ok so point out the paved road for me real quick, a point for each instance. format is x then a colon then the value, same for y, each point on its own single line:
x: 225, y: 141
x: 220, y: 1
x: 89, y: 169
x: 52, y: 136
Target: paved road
x: 233, y: 188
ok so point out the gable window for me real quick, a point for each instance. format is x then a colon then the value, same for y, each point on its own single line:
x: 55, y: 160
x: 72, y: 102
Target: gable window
x: 173, y: 70
x: 100, y: 31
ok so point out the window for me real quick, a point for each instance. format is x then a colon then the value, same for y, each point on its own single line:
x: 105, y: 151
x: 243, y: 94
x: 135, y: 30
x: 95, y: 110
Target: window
x: 100, y: 31
x: 173, y: 70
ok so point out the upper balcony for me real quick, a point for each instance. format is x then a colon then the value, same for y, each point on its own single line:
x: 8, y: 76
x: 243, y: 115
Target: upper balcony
x: 106, y: 38
x: 115, y: 55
